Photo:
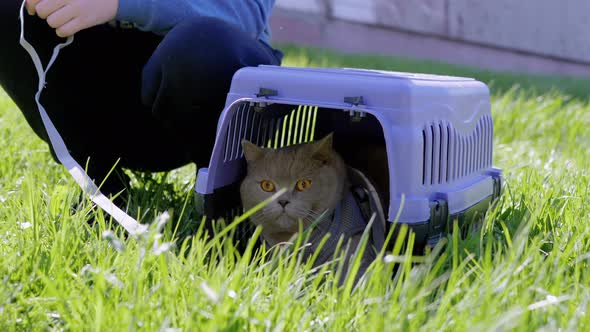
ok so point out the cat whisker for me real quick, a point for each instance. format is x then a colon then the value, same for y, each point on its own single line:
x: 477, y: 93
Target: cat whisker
x: 317, y: 224
x: 313, y: 215
x: 260, y: 214
x: 308, y: 212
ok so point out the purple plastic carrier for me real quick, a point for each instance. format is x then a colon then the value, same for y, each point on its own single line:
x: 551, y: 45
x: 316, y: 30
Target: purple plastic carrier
x: 437, y: 131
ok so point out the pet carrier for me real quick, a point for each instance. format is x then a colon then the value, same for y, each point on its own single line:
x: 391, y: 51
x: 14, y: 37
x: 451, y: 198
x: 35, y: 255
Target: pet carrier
x: 425, y: 140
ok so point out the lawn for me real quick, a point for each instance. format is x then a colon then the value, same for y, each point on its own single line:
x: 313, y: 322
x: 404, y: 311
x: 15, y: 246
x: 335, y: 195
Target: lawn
x: 527, y: 270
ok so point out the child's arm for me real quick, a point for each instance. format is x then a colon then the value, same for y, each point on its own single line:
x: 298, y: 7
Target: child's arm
x: 159, y: 16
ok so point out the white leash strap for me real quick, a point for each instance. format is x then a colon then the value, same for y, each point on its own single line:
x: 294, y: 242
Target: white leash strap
x: 85, y: 182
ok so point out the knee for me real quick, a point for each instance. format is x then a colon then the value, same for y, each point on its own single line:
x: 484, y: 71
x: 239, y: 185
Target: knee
x: 212, y: 45
x: 209, y: 29
x: 201, y: 53
x: 211, y: 41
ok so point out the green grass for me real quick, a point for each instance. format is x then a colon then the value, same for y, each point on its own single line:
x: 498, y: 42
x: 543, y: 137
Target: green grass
x: 527, y: 270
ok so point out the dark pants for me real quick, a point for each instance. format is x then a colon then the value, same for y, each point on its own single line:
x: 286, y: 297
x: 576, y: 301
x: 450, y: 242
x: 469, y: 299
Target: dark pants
x: 149, y: 101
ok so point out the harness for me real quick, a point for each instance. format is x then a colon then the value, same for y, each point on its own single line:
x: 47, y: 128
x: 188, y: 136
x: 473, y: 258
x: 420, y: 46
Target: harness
x: 360, y: 209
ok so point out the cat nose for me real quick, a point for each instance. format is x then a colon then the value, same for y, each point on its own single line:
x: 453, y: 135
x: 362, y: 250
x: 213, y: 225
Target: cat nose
x: 283, y: 202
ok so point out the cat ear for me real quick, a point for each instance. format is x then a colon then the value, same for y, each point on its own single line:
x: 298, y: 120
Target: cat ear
x: 251, y: 151
x: 322, y: 149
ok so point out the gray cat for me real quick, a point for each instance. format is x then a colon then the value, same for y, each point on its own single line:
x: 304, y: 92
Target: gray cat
x: 316, y: 180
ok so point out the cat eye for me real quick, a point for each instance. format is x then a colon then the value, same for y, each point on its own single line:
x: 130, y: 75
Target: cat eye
x: 303, y: 185
x: 267, y: 186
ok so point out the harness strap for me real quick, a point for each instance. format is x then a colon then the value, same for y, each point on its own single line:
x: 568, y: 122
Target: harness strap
x: 367, y: 198
x: 59, y: 146
x: 347, y: 220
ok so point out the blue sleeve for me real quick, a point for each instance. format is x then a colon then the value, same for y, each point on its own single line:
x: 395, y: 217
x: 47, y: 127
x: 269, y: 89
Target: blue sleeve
x: 160, y: 16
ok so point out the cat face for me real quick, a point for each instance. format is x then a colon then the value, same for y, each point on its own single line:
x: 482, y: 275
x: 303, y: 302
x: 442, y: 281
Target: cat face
x: 313, y: 175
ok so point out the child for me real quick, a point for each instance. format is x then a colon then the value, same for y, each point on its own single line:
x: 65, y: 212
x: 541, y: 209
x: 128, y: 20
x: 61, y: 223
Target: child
x: 143, y: 82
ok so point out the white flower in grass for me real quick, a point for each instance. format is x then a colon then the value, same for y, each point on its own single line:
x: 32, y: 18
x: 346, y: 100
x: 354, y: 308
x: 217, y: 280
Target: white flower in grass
x: 162, y: 220
x: 25, y: 225
x: 157, y: 248
x: 319, y: 321
x: 389, y: 259
x: 54, y: 315
x: 113, y: 241
x: 209, y: 292
x: 166, y: 326
x: 88, y: 270
x: 113, y: 280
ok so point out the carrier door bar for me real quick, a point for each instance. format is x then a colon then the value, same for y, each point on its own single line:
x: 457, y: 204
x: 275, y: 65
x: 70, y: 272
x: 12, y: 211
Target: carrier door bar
x: 205, y: 183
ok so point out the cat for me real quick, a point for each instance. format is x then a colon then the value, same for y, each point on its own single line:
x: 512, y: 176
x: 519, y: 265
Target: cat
x: 316, y: 181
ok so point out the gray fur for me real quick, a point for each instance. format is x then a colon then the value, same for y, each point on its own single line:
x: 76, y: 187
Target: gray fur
x: 317, y: 162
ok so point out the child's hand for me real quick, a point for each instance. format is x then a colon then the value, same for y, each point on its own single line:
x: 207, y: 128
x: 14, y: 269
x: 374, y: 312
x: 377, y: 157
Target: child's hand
x: 70, y: 16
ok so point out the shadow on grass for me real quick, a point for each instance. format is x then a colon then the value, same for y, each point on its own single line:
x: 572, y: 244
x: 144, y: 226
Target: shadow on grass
x: 154, y: 193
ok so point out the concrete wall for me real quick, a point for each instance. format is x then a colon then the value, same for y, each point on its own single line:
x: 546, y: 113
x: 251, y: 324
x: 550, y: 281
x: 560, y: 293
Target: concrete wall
x: 556, y: 32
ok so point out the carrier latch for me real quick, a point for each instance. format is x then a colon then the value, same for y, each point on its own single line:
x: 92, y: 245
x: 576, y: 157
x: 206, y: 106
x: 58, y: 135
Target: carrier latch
x: 358, y: 100
x: 263, y: 93
x: 497, y: 187
x: 355, y: 115
x: 439, y: 214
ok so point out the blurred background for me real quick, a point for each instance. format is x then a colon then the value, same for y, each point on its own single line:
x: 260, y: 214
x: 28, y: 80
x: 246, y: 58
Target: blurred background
x: 545, y: 37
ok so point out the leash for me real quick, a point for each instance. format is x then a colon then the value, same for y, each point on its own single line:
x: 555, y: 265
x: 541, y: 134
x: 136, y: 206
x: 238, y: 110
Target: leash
x: 78, y: 173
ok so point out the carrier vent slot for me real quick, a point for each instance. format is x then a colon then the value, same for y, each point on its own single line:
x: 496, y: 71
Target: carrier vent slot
x: 452, y: 165
x: 428, y: 140
x: 274, y: 132
x: 448, y: 155
x: 488, y: 147
x: 462, y: 156
x: 480, y: 152
x: 424, y: 154
x: 444, y: 153
x: 489, y: 140
x: 436, y: 165
x: 436, y: 147
x: 470, y: 155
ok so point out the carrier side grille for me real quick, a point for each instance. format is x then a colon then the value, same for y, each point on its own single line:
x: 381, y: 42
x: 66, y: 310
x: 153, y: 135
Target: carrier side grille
x: 272, y: 132
x: 448, y: 155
